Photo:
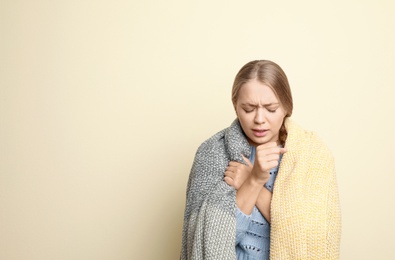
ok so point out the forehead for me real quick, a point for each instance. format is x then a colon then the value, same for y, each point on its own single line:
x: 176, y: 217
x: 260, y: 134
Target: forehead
x: 256, y: 92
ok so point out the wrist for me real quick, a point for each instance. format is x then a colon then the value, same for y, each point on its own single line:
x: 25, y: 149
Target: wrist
x: 258, y: 179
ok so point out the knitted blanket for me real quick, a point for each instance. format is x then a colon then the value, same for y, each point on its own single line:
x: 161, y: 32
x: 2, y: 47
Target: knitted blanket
x: 305, y: 211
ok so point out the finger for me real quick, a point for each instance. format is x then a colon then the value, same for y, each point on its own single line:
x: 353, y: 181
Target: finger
x: 234, y: 164
x: 247, y: 161
x: 229, y: 174
x: 268, y: 151
x: 230, y: 167
x: 263, y: 162
x: 229, y: 181
x: 277, y: 150
x: 271, y: 157
x: 272, y: 164
x: 283, y: 150
x: 266, y: 145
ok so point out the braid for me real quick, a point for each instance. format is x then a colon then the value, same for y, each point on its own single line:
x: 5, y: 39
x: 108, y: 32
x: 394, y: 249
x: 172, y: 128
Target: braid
x: 282, y: 136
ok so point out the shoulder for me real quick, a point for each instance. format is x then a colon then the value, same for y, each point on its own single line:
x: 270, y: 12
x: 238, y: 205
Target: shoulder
x: 208, y: 165
x: 306, y: 141
x: 223, y: 138
x: 212, y: 150
x: 320, y: 147
x: 212, y: 143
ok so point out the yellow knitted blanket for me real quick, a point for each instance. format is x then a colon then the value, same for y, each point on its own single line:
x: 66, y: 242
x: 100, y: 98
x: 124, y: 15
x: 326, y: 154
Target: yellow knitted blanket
x: 305, y: 210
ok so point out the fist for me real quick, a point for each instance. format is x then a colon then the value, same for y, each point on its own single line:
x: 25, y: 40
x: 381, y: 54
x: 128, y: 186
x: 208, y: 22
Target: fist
x: 266, y: 158
x: 236, y: 173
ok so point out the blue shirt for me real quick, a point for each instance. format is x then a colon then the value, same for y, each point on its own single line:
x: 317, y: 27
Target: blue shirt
x: 253, y: 231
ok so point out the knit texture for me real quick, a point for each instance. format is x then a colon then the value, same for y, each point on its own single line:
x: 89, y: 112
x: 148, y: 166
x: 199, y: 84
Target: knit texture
x: 305, y: 212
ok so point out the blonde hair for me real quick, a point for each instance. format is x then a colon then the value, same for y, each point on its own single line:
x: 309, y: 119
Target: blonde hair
x: 270, y: 74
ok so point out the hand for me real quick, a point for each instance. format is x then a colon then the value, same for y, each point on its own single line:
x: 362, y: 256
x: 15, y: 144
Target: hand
x: 236, y: 173
x: 266, y: 158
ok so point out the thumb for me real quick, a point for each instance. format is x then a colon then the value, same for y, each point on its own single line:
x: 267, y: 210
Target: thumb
x: 247, y: 161
x: 283, y: 150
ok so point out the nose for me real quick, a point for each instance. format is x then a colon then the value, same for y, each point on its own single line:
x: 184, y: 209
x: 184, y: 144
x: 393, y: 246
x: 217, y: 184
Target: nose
x: 260, y: 116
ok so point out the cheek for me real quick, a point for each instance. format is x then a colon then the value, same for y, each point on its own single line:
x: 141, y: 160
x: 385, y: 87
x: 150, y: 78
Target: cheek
x: 245, y: 118
x: 277, y: 120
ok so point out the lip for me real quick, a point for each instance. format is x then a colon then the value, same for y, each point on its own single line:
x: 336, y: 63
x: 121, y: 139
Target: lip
x: 260, y: 132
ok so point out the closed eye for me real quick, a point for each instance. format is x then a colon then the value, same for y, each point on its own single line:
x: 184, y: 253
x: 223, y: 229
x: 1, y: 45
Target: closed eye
x: 249, y: 110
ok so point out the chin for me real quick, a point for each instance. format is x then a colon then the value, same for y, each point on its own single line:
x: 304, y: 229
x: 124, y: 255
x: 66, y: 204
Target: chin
x: 260, y: 141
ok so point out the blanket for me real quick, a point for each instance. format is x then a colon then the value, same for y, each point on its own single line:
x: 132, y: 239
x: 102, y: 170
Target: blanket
x: 305, y: 210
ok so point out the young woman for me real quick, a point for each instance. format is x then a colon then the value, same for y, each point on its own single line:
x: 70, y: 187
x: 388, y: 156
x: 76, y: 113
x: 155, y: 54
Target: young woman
x: 263, y: 187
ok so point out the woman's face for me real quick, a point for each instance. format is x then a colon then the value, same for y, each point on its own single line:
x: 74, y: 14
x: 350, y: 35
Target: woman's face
x: 260, y: 113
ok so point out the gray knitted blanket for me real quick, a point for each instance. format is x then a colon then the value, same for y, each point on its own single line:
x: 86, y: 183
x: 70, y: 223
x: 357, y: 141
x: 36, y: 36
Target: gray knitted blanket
x: 209, y: 230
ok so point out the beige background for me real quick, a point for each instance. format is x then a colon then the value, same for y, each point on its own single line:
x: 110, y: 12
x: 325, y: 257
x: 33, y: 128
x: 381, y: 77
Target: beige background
x: 104, y: 103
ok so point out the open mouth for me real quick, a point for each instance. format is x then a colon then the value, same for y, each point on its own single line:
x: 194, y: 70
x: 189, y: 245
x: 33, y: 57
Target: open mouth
x: 260, y: 132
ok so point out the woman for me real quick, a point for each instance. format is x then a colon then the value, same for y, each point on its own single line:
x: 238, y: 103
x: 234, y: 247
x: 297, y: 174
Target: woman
x: 263, y: 187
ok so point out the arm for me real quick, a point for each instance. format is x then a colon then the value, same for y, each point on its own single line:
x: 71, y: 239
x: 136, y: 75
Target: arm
x: 247, y: 195
x: 250, y: 186
x: 333, y: 219
x: 240, y: 174
x: 263, y: 203
x: 249, y: 191
x: 323, y: 162
x: 210, y: 206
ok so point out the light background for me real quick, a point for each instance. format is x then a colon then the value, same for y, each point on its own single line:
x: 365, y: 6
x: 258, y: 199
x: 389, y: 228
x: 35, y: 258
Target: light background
x: 104, y: 103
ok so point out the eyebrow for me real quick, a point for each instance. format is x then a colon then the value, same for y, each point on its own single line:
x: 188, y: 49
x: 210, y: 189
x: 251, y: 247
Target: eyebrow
x: 254, y: 105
